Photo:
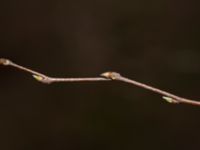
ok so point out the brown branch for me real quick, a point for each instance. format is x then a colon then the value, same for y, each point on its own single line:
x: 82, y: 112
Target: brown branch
x: 47, y: 79
x: 166, y: 95
x: 107, y: 76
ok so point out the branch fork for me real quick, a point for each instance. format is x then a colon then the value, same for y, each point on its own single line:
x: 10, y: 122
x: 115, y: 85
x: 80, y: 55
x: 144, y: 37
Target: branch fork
x: 106, y: 76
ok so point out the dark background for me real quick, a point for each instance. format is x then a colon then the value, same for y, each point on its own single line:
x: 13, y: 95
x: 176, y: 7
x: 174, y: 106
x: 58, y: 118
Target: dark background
x: 156, y: 42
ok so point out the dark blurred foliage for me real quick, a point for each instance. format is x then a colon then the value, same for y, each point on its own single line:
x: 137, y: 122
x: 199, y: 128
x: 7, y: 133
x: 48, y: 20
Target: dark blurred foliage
x: 156, y: 42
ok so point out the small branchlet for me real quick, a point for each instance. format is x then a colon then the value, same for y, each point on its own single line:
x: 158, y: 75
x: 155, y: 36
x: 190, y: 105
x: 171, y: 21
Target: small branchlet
x: 106, y: 76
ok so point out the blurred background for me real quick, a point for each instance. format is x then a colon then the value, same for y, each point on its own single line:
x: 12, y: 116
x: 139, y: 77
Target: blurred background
x: 156, y: 42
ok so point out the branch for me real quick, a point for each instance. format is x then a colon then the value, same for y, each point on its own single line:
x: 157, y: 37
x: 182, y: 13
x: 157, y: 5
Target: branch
x: 107, y: 76
x: 47, y: 79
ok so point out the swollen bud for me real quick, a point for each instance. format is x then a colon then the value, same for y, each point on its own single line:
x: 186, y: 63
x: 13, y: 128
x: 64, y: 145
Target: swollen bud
x: 4, y: 61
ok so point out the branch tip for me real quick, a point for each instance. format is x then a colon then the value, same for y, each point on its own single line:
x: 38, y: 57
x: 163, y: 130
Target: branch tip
x: 4, y: 61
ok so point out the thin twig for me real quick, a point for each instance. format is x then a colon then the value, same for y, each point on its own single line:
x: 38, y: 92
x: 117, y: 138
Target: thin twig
x: 107, y: 76
x: 166, y: 95
x: 47, y: 79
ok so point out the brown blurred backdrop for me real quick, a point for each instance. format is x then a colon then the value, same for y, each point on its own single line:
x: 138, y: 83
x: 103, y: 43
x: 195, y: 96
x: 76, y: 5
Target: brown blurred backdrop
x: 156, y: 42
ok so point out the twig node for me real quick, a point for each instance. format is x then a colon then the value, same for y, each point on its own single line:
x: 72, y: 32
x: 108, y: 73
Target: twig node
x: 111, y: 75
